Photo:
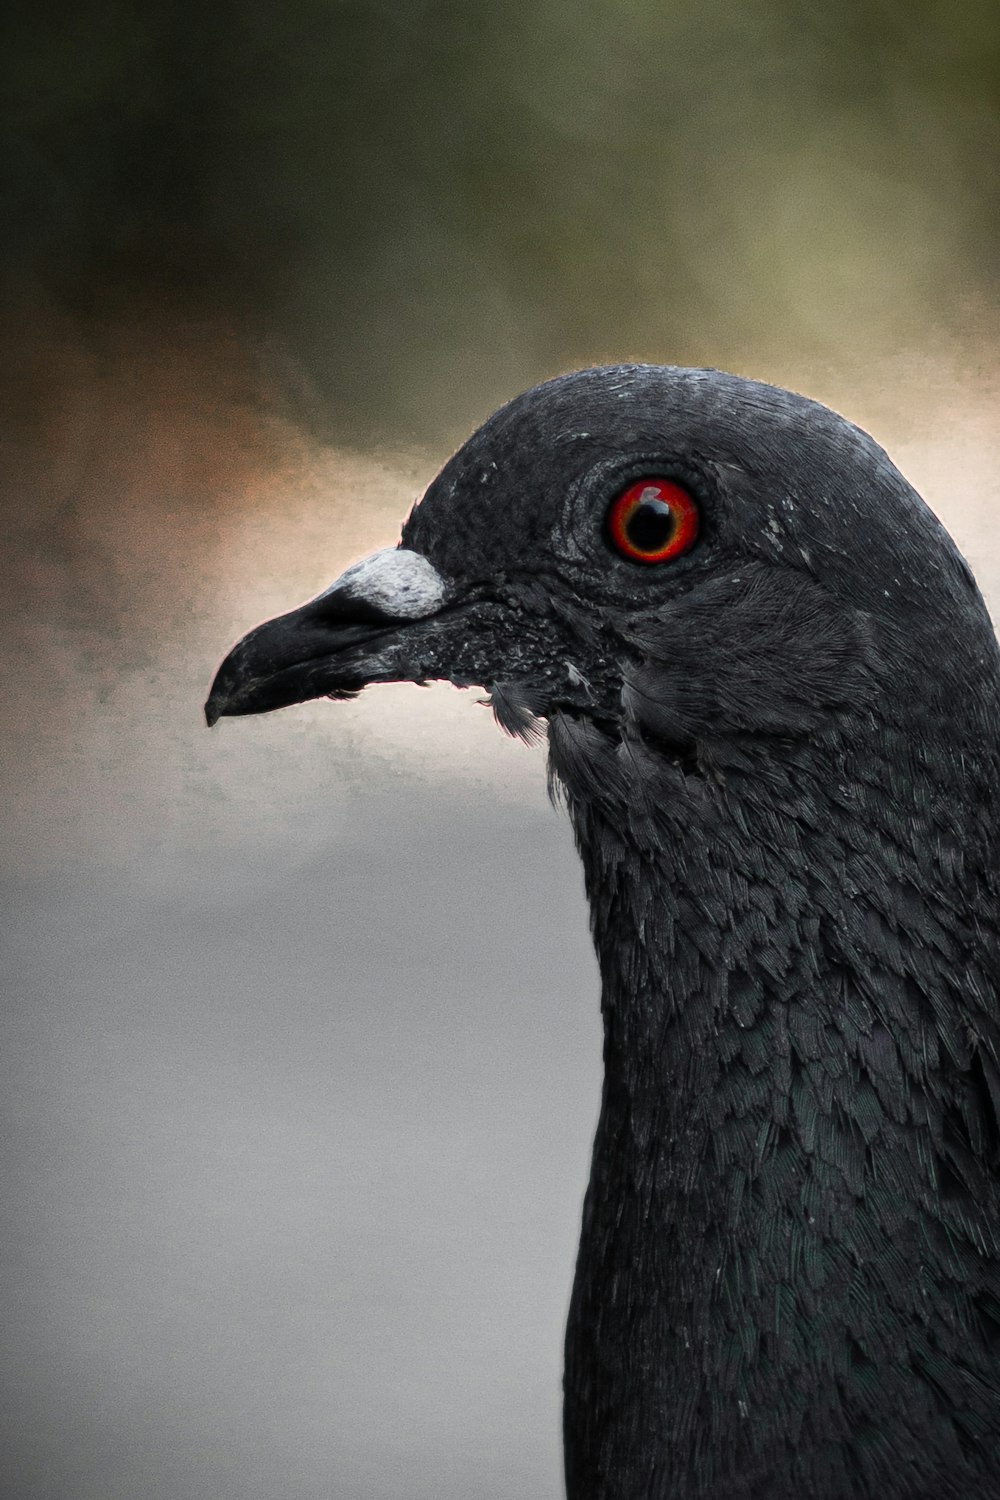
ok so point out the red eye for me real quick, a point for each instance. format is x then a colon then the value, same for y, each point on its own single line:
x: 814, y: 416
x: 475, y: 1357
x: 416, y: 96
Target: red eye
x: 653, y: 520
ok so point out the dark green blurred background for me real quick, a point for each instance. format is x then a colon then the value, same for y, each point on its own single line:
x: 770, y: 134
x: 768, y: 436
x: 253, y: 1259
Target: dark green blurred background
x: 419, y: 207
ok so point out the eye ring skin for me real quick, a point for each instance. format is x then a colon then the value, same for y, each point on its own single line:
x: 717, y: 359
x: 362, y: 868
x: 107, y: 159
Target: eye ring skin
x: 587, y: 560
x: 653, y: 520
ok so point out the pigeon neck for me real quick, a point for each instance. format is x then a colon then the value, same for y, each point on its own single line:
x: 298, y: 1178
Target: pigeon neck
x: 783, y: 1016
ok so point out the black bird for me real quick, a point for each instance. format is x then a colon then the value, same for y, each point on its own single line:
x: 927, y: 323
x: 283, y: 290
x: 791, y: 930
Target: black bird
x: 772, y: 695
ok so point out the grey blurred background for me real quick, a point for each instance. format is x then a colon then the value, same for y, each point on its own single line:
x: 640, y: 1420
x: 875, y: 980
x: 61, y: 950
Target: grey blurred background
x: 301, y: 1044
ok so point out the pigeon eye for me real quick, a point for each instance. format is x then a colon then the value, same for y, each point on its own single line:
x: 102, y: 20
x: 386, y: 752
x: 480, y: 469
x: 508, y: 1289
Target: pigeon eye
x: 653, y: 521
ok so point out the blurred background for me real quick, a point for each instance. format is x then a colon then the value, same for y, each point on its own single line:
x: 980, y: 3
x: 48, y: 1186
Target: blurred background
x: 301, y: 1044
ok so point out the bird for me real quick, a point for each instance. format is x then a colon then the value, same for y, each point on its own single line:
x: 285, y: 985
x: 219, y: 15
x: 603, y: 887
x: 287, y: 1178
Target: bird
x: 771, y: 693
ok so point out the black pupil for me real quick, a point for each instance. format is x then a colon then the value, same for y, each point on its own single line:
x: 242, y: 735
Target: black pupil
x: 651, y: 525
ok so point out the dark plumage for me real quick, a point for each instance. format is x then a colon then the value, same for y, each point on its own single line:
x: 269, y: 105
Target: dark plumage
x: 779, y: 751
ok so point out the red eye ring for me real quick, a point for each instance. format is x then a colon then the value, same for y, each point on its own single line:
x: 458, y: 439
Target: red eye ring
x: 653, y: 520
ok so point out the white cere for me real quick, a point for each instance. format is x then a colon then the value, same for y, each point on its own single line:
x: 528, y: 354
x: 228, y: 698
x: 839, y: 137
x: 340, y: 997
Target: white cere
x: 401, y: 582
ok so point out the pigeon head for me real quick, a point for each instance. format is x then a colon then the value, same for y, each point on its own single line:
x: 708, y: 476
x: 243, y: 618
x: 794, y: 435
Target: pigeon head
x: 760, y: 549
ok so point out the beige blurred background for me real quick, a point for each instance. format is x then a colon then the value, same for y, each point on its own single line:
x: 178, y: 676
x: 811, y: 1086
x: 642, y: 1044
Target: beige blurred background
x: 301, y: 1042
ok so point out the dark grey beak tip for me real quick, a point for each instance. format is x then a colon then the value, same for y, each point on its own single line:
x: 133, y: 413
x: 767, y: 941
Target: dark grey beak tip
x: 213, y: 713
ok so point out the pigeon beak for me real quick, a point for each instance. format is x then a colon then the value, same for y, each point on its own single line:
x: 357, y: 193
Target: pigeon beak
x: 351, y: 634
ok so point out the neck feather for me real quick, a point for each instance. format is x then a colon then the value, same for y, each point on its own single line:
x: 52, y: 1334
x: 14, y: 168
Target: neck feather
x: 793, y: 1206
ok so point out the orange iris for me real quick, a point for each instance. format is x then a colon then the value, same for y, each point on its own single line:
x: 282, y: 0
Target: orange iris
x: 653, y: 520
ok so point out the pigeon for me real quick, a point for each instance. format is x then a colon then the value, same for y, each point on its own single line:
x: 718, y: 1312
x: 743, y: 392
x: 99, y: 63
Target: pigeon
x: 771, y: 694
